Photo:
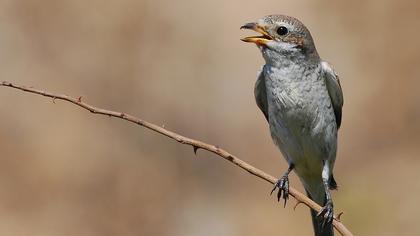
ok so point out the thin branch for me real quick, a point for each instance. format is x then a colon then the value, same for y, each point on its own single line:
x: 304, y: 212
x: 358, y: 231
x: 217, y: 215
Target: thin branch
x: 196, y: 144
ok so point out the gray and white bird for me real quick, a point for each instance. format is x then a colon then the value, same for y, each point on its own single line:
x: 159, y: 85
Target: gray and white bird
x: 300, y: 96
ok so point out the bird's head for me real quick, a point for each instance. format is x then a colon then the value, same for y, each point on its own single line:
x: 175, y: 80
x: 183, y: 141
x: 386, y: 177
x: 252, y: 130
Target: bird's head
x: 282, y: 38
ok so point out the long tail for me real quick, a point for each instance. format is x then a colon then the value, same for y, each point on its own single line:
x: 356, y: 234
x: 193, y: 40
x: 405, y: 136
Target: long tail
x: 319, y: 231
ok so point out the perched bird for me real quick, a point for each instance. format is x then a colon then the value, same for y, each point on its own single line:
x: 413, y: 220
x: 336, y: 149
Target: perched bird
x: 300, y: 96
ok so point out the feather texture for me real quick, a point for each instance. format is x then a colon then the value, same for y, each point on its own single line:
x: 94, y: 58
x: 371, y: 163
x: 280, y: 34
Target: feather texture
x: 334, y: 90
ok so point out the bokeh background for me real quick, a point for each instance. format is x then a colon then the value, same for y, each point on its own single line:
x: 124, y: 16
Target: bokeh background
x: 64, y: 171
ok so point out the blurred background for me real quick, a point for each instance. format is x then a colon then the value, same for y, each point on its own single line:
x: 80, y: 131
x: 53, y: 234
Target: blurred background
x: 64, y: 171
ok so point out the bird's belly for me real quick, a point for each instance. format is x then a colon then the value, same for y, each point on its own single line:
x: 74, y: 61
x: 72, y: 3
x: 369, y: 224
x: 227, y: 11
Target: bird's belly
x: 304, y: 132
x: 301, y: 118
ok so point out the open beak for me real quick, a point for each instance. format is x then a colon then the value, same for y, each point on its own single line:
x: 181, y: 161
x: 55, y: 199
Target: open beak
x: 260, y: 39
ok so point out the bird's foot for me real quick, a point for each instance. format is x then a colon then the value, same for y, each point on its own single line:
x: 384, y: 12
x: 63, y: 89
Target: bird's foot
x: 283, y: 185
x: 326, y: 214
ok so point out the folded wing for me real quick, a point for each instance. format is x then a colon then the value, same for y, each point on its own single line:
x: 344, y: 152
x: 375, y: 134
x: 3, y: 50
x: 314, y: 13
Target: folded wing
x: 261, y: 94
x: 334, y: 90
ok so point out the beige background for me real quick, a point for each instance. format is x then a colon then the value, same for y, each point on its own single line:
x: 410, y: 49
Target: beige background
x: 180, y: 63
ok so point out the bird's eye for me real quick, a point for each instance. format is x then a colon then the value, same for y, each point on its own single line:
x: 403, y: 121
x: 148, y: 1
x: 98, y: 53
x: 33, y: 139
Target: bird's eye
x: 282, y: 31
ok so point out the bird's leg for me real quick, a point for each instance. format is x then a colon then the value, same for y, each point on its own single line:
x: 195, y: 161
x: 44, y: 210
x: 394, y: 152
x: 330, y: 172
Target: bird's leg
x: 283, y: 185
x: 326, y: 213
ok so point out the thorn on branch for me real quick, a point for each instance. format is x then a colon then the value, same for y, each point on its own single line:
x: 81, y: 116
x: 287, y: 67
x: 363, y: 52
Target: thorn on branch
x: 122, y: 115
x: 339, y: 216
x: 79, y: 99
x: 297, y: 203
x: 54, y: 99
x: 230, y: 158
x: 195, y: 149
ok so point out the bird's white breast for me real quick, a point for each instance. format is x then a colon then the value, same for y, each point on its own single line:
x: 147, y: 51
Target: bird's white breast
x: 301, y: 116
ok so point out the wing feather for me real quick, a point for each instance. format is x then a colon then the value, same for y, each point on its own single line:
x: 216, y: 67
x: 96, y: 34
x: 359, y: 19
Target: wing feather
x: 334, y: 90
x: 260, y: 93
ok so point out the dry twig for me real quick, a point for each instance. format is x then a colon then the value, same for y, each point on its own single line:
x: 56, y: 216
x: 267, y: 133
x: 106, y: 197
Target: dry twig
x: 301, y: 198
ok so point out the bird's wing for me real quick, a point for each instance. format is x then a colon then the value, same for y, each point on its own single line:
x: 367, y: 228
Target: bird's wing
x: 334, y: 90
x: 261, y: 94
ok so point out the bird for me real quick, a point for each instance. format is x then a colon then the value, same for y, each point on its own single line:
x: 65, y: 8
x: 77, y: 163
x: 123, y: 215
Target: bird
x: 301, y: 98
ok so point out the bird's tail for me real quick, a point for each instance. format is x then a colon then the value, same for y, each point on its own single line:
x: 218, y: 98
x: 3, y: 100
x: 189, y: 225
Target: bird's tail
x: 320, y: 198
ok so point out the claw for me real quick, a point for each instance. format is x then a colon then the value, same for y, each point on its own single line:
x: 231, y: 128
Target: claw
x: 283, y: 185
x: 326, y: 214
